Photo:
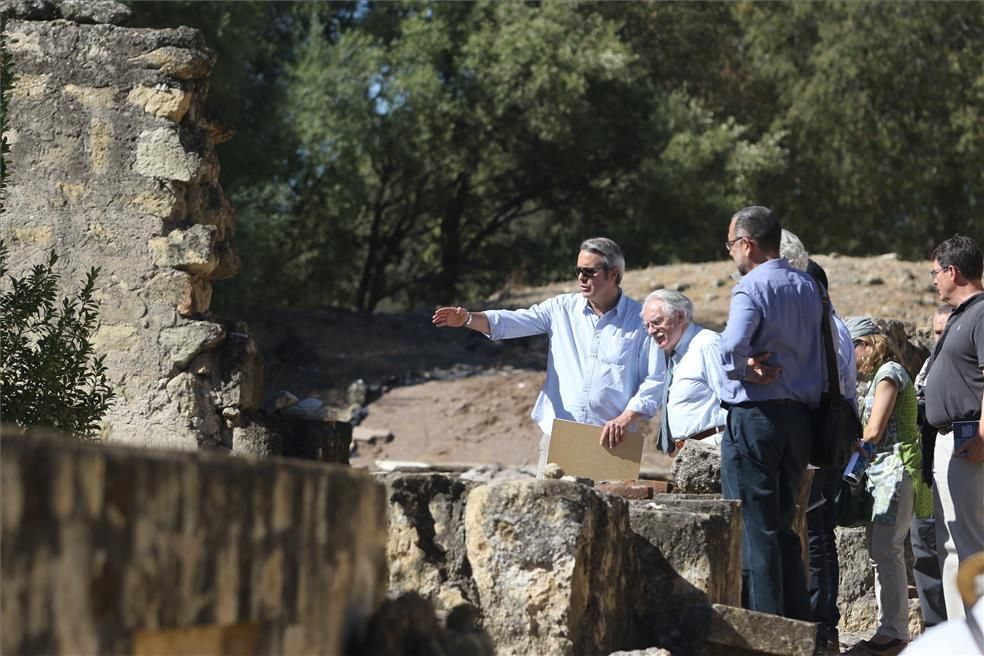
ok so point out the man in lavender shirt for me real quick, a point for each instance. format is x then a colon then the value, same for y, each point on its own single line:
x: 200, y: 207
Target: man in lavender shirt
x: 772, y: 357
x: 601, y: 368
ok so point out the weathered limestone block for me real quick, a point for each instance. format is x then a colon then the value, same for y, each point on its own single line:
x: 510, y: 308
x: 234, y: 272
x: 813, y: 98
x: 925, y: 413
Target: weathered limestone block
x: 168, y: 103
x: 165, y: 201
x: 190, y: 250
x: 856, y: 592
x: 85, y: 94
x: 697, y: 469
x: 182, y: 343
x: 426, y: 545
x: 255, y: 439
x: 700, y: 539
x: 119, y: 338
x: 182, y: 63
x: 99, y: 542
x: 549, y: 560
x: 191, y: 294
x: 160, y: 154
x: 725, y: 630
x: 94, y: 11
x: 92, y: 97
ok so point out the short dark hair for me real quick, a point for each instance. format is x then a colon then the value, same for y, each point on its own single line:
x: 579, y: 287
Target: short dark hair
x: 962, y: 252
x: 761, y: 224
x: 817, y: 272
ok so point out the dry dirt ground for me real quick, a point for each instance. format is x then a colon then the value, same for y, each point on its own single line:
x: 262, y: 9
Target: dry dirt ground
x: 453, y: 396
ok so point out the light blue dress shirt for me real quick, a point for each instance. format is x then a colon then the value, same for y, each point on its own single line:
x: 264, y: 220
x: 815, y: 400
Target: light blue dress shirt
x: 774, y: 308
x: 847, y: 366
x: 597, y: 367
x: 693, y: 401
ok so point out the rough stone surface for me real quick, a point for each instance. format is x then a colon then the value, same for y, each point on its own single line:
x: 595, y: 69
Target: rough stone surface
x: 426, y: 544
x: 112, y: 164
x: 697, y: 469
x: 559, y: 567
x: 730, y: 630
x: 856, y: 595
x: 160, y: 154
x: 94, y: 11
x: 101, y: 541
x: 547, y: 559
x: 700, y: 539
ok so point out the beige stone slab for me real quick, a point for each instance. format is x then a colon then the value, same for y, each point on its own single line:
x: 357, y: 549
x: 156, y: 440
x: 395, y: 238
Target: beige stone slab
x: 575, y: 448
x: 219, y: 640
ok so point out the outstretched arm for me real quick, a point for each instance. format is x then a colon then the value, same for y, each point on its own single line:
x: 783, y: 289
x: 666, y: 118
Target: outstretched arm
x: 456, y: 317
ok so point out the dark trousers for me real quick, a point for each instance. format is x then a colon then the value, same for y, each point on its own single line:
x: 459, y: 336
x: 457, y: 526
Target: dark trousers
x: 926, y: 571
x: 763, y: 456
x: 824, y: 568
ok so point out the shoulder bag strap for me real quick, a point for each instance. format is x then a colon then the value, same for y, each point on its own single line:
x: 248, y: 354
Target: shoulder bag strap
x: 833, y: 375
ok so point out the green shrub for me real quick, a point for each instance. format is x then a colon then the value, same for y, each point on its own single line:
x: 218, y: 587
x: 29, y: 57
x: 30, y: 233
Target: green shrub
x: 49, y: 374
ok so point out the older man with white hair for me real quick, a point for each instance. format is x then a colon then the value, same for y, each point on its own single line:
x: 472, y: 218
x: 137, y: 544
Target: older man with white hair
x: 691, y: 408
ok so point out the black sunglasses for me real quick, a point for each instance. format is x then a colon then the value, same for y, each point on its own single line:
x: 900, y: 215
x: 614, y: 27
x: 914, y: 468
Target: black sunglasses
x: 589, y: 272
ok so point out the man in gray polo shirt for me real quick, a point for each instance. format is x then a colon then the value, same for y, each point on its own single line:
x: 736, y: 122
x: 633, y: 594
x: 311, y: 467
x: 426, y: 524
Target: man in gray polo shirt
x: 954, y: 393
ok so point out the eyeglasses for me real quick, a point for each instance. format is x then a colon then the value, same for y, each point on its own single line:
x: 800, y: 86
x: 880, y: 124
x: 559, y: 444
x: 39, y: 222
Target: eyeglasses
x: 588, y: 272
x: 936, y: 272
x: 731, y: 242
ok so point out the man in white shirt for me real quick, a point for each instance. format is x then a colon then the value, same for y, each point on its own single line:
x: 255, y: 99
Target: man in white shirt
x: 692, y: 410
x: 601, y: 367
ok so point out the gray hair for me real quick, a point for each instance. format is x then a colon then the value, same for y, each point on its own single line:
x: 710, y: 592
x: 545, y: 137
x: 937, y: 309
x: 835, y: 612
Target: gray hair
x: 673, y: 302
x: 791, y: 248
x: 610, y: 254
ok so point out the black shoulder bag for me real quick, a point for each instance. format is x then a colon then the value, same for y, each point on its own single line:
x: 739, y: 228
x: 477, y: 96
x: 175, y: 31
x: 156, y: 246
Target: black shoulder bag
x: 836, y: 428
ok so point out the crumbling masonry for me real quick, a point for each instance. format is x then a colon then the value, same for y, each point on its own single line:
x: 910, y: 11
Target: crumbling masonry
x: 113, y: 165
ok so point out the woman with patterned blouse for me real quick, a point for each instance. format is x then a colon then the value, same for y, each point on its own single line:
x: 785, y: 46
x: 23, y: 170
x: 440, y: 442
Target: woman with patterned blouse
x: 888, y: 414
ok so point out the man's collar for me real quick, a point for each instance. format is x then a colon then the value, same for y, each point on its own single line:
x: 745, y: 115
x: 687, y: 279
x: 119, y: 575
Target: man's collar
x: 688, y: 336
x: 979, y: 296
x: 619, y: 306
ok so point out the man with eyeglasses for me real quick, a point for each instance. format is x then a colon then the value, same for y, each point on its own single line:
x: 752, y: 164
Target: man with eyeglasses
x: 692, y: 410
x: 955, y: 396
x: 601, y: 368
x: 775, y: 314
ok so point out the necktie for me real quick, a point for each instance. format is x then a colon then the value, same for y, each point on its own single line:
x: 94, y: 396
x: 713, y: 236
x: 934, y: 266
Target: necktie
x: 665, y: 436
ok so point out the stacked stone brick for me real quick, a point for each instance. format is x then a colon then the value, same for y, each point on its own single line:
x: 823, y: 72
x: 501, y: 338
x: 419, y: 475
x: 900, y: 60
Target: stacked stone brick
x: 113, y: 165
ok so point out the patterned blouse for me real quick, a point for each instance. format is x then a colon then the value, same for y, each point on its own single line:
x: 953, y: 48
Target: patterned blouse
x: 897, y: 451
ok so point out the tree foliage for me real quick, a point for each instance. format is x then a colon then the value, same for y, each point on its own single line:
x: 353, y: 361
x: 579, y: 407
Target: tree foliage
x: 49, y: 375
x: 399, y: 153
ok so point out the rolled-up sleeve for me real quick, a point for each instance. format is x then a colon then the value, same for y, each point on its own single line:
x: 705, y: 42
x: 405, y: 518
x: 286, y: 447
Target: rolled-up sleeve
x: 507, y: 324
x: 735, y: 346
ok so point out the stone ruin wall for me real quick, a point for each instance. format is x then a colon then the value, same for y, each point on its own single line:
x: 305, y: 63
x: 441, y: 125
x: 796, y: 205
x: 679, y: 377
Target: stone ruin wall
x: 113, y: 164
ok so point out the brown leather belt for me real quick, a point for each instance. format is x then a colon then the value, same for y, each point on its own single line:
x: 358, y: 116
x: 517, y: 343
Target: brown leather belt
x: 707, y: 432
